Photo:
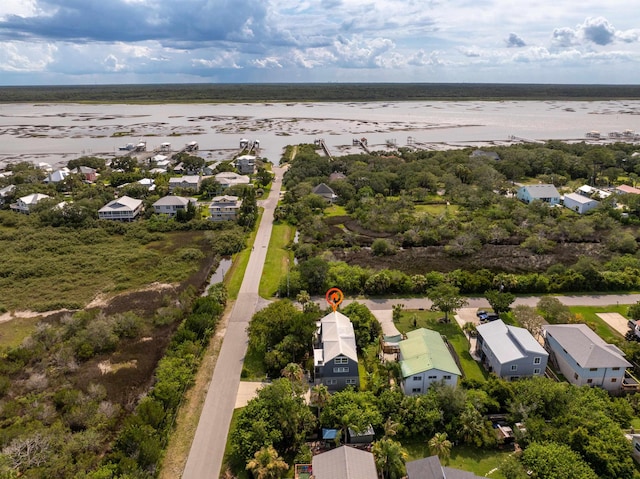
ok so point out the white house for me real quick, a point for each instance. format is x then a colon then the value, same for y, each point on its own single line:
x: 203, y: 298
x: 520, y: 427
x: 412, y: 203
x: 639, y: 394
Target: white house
x: 6, y: 192
x: 24, y: 204
x: 57, y: 176
x: 121, y: 209
x: 170, y: 205
x: 224, y: 208
x: 579, y: 203
x: 425, y: 359
x: 584, y: 358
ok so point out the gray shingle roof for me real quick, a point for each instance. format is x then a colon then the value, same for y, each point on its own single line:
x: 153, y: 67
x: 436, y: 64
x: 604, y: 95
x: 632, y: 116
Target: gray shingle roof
x: 344, y: 463
x: 587, y: 348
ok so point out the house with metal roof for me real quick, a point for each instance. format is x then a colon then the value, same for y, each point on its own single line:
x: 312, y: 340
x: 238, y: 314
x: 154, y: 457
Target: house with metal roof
x: 121, y: 209
x: 169, y: 205
x: 425, y: 359
x: 584, y: 358
x: 344, y: 462
x: 246, y: 164
x: 335, y: 359
x: 431, y: 468
x: 509, y: 351
x: 579, y: 203
x: 224, y: 208
x: 227, y: 179
x: 544, y: 192
x: 25, y: 203
x: 57, y: 176
x: 626, y: 189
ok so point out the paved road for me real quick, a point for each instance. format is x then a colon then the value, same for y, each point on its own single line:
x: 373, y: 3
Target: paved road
x: 577, y: 300
x: 207, y: 450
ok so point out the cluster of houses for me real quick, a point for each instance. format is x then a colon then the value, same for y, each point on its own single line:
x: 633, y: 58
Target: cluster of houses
x: 221, y: 208
x: 584, y: 199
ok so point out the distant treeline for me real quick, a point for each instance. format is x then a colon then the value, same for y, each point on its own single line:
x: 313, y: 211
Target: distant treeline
x: 313, y: 92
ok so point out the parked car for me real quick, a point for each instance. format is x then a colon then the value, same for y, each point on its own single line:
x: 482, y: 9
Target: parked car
x: 482, y: 315
x: 492, y: 316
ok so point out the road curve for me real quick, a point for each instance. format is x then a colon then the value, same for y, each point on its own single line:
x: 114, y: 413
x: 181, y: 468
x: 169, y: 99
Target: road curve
x: 207, y: 450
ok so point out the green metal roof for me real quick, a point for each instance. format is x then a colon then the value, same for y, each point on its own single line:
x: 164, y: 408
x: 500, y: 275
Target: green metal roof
x: 424, y: 350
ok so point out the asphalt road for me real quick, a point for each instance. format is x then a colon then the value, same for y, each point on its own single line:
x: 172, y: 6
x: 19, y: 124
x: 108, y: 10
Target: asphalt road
x: 207, y: 450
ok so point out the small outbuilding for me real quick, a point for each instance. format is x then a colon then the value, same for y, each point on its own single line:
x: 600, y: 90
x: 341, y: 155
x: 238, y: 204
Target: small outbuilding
x: 579, y: 203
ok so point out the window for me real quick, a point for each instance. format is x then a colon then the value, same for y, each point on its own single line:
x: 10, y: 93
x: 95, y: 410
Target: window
x: 615, y: 369
x: 593, y: 369
x: 614, y: 380
x: 341, y: 360
x: 341, y: 370
x: 575, y: 375
x: 589, y: 381
x: 350, y: 381
x: 417, y: 378
x: 432, y: 377
x: 536, y: 371
x: 446, y: 377
x: 514, y: 367
x: 637, y: 446
x: 330, y: 382
x: 537, y: 360
x: 416, y: 390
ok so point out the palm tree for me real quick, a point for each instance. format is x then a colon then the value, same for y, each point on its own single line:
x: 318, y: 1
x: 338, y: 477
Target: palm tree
x: 267, y: 464
x: 472, y: 425
x: 390, y: 458
x: 294, y: 373
x: 390, y: 428
x: 440, y: 446
x: 319, y: 397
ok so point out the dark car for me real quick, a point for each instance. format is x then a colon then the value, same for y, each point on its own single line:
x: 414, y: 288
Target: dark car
x: 492, y: 316
x: 482, y: 315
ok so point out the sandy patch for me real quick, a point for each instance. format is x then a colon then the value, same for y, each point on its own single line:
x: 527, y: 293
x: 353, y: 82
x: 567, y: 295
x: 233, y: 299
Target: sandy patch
x: 616, y: 321
x: 106, y: 367
x: 10, y: 315
x: 102, y: 300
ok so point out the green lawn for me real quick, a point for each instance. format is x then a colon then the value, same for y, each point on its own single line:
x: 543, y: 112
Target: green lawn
x: 429, y: 320
x: 13, y: 332
x: 234, y: 277
x: 335, y: 210
x: 278, y: 260
x: 436, y: 210
x: 603, y: 330
x: 471, y: 459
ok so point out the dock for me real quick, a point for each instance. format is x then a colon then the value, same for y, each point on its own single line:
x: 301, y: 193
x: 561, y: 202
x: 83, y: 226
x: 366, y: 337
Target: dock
x: 320, y: 142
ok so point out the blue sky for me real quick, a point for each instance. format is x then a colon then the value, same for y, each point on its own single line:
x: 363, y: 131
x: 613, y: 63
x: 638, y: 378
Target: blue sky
x: 188, y: 41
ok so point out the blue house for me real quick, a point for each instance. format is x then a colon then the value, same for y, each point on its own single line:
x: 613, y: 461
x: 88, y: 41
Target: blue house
x: 545, y: 193
x: 510, y: 352
x: 335, y: 359
x: 584, y: 358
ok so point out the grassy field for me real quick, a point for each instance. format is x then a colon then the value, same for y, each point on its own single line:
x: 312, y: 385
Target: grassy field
x: 13, y: 332
x: 47, y: 268
x: 429, y: 320
x: 278, y: 259
x: 436, y: 210
x: 589, y: 317
x: 478, y: 461
x: 335, y: 210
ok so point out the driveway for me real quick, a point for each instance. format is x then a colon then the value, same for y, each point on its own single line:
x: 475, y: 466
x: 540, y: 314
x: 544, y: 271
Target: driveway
x: 616, y: 321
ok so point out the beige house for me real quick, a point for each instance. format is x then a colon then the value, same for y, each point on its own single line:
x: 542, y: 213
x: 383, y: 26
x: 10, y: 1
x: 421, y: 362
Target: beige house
x: 224, y: 208
x: 191, y: 182
x: 121, y: 209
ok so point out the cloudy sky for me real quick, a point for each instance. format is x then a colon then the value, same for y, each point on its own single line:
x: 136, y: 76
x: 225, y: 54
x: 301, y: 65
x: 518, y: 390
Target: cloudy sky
x: 178, y: 41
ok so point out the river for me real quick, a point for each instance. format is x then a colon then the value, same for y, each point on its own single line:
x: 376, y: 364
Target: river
x: 56, y: 133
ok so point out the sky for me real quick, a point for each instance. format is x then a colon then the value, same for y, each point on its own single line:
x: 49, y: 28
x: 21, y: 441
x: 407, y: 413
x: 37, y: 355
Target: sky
x: 70, y: 42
